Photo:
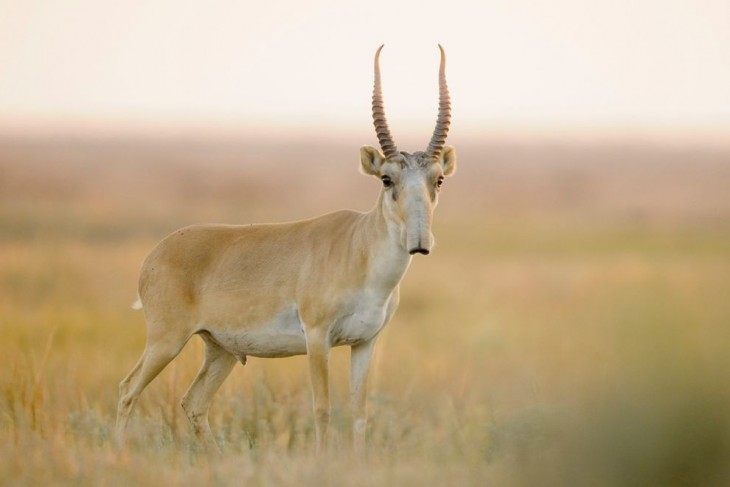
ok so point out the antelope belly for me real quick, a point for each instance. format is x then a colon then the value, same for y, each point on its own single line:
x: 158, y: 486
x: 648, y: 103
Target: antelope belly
x: 282, y: 336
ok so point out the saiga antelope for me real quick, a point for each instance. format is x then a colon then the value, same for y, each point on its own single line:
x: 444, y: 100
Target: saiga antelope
x: 276, y: 290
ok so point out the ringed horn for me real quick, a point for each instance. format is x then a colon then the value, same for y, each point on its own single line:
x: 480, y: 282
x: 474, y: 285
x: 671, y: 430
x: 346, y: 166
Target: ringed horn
x: 438, y: 139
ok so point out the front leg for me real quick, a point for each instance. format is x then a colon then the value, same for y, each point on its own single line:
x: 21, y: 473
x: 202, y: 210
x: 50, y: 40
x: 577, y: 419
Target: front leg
x: 318, y: 355
x: 360, y: 356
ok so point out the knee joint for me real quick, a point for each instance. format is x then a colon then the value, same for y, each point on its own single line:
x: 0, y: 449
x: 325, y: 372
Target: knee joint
x: 126, y: 401
x: 193, y: 412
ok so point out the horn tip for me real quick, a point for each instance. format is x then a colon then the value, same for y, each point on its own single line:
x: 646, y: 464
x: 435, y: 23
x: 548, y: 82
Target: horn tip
x: 377, y: 53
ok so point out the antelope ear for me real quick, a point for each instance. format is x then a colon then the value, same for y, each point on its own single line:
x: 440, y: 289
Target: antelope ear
x: 371, y: 160
x: 448, y: 160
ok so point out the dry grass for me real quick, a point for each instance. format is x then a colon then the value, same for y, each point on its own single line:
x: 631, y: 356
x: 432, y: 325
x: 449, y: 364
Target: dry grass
x: 571, y: 327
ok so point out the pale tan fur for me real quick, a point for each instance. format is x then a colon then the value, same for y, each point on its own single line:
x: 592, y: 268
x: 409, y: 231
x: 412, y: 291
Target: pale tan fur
x: 275, y: 290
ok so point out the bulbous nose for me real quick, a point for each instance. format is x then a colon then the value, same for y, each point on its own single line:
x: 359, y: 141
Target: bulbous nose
x: 417, y: 209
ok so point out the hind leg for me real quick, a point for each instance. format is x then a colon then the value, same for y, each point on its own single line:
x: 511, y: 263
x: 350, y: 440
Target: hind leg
x: 157, y: 354
x: 216, y: 366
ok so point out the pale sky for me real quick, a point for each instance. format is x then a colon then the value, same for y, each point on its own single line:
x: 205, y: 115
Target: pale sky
x: 546, y: 67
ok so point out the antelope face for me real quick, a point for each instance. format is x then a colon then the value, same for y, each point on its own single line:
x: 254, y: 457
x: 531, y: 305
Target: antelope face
x: 411, y: 184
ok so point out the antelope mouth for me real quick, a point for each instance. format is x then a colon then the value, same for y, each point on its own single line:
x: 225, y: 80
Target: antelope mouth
x: 419, y: 250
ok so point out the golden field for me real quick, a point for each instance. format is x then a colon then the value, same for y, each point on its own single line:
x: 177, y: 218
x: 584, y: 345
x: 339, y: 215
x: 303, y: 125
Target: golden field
x: 571, y: 328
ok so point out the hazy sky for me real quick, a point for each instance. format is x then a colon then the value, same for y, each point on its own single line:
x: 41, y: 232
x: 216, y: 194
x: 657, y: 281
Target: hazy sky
x: 620, y: 66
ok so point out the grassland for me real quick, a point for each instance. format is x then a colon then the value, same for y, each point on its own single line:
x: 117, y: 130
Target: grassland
x: 571, y: 328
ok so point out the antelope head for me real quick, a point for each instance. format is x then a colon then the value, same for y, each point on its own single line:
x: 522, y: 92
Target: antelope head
x: 411, y: 181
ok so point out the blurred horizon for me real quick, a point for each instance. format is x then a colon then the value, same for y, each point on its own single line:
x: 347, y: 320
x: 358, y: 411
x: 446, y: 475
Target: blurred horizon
x: 352, y: 140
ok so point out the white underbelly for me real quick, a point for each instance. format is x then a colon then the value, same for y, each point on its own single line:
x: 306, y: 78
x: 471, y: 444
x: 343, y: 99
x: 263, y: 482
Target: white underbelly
x: 282, y: 336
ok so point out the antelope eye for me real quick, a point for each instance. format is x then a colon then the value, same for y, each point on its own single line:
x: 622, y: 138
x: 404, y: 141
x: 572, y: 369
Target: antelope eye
x: 440, y: 181
x: 387, y: 182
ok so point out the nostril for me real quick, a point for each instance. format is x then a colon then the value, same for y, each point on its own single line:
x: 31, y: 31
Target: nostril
x: 419, y: 250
